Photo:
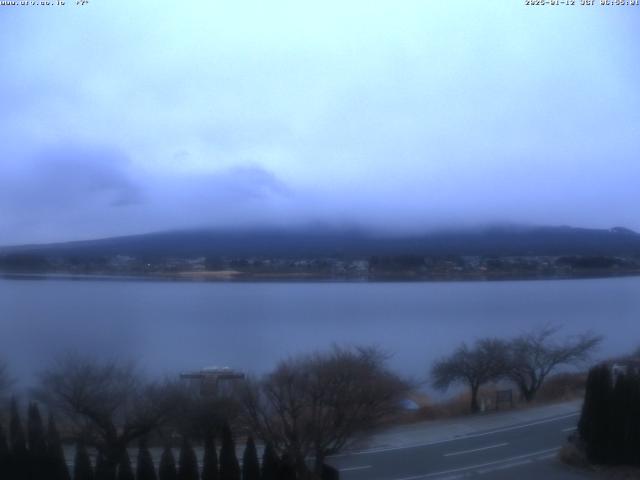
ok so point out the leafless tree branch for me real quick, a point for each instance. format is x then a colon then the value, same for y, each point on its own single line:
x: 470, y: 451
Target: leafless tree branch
x: 473, y: 366
x: 535, y: 354
x: 108, y: 401
x: 316, y: 405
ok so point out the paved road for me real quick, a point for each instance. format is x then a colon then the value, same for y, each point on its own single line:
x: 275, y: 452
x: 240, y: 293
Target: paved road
x: 522, y: 451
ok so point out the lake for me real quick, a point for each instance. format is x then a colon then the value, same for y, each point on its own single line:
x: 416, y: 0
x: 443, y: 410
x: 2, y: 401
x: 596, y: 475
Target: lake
x: 172, y: 326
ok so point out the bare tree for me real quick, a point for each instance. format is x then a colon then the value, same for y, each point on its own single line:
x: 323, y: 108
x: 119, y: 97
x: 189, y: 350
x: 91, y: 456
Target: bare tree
x: 316, y: 405
x: 534, y: 355
x: 474, y: 366
x: 201, y: 416
x: 108, y: 402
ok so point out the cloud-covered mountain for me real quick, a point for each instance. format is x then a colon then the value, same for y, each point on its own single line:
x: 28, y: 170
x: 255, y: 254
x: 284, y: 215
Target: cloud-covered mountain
x: 318, y: 241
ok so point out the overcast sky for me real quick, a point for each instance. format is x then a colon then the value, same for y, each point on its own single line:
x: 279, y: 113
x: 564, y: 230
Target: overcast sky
x: 127, y: 117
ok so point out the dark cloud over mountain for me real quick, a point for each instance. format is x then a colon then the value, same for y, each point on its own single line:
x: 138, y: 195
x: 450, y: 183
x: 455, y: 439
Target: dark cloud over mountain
x: 125, y: 118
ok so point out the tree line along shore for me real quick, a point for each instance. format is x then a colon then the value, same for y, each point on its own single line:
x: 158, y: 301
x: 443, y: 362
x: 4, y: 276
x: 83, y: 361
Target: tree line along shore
x: 374, y: 268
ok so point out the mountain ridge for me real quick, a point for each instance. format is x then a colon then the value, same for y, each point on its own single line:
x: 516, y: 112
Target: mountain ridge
x: 350, y: 242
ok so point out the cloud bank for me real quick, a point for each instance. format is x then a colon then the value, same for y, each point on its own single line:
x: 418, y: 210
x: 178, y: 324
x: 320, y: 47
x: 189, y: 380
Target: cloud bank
x: 125, y: 117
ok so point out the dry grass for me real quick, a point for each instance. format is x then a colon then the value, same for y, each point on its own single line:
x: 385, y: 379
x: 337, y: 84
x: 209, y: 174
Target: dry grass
x: 457, y: 406
x: 558, y: 388
x: 561, y: 387
x: 572, y: 455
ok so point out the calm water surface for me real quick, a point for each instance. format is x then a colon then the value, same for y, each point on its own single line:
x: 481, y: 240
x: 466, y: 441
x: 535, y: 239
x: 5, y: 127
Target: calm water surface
x: 171, y: 326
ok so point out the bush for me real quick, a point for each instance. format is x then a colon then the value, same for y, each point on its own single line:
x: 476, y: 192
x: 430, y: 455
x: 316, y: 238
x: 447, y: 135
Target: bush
x: 609, y: 424
x: 574, y: 456
x: 563, y: 386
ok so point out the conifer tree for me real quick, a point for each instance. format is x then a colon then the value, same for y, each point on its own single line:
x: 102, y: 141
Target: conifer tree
x: 99, y: 467
x: 229, y: 466
x: 82, y: 468
x: 624, y: 421
x: 618, y: 420
x: 145, y: 469
x: 104, y: 470
x: 18, y: 442
x: 38, y: 459
x: 593, y: 425
x: 125, y: 472
x: 250, y: 463
x: 287, y: 469
x: 188, y: 462
x: 4, y: 455
x: 19, y: 459
x: 634, y: 443
x: 55, y: 453
x: 585, y: 423
x: 35, y: 432
x: 210, y: 460
x: 167, y: 470
x: 270, y: 464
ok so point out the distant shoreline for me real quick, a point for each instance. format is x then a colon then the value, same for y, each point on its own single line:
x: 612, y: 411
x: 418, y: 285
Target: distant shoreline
x: 229, y: 276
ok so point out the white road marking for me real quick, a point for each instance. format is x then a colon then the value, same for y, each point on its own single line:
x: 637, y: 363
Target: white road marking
x: 350, y: 469
x: 548, y: 456
x: 504, y: 467
x: 497, y: 463
x: 570, y: 429
x: 463, y: 437
x: 462, y: 452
